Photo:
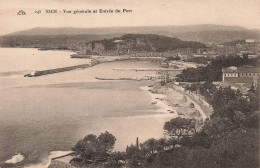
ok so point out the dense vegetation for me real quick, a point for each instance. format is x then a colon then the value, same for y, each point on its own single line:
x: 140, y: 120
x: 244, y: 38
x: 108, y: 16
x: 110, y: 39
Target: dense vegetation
x: 213, y: 71
x: 50, y: 41
x: 93, y: 149
x: 233, y: 43
x: 149, y: 43
x: 230, y: 139
x: 200, y: 60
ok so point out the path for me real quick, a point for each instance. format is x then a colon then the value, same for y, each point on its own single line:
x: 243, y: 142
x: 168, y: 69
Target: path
x: 204, y: 111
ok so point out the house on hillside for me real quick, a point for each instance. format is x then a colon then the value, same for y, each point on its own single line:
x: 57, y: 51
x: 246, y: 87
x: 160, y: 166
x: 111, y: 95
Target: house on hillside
x: 241, y: 77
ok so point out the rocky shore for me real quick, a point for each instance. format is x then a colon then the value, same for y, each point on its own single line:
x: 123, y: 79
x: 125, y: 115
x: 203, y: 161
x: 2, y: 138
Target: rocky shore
x: 178, y: 102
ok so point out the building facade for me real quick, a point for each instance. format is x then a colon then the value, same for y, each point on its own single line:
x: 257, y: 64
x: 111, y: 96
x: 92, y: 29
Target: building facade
x: 241, y: 75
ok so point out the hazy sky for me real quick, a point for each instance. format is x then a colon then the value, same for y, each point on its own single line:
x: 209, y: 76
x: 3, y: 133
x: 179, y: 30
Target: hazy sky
x: 245, y: 13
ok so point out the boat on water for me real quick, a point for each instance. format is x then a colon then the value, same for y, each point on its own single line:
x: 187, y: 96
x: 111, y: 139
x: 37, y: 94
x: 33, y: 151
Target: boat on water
x: 154, y: 102
x: 30, y: 74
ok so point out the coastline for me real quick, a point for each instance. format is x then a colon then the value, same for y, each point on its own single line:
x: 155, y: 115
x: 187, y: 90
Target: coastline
x: 169, y: 103
x: 203, y: 108
x: 167, y: 109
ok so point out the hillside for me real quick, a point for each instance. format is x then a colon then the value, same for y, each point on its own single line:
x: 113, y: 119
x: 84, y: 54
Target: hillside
x: 73, y: 42
x: 69, y: 37
x: 127, y: 30
x: 139, y: 43
x: 217, y: 36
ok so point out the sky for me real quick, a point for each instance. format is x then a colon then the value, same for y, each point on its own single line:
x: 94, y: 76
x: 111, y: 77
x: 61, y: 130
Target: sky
x: 244, y: 13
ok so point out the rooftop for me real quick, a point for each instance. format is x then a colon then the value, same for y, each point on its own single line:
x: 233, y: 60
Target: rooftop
x: 243, y: 69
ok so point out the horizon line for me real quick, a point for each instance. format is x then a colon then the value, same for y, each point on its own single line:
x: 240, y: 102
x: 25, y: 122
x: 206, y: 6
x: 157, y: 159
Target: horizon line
x: 246, y: 28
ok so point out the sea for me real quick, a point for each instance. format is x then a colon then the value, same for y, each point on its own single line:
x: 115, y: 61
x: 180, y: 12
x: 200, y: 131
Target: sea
x: 46, y: 114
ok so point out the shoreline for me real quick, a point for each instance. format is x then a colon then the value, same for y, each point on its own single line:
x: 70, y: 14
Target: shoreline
x: 165, y: 109
x: 205, y: 111
x: 160, y: 101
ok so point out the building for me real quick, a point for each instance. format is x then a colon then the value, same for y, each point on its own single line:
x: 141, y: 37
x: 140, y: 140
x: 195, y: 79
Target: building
x: 250, y: 40
x: 186, y: 57
x: 244, y: 76
x: 200, y: 55
x: 184, y: 51
x: 166, y: 75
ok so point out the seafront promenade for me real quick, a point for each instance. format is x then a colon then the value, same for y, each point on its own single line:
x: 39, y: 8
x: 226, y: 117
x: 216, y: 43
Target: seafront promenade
x: 203, y: 107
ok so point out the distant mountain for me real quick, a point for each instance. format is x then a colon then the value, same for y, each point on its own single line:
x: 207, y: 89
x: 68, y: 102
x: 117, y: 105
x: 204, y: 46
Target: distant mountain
x: 135, y: 43
x: 217, y: 36
x: 74, y: 37
x: 127, y: 30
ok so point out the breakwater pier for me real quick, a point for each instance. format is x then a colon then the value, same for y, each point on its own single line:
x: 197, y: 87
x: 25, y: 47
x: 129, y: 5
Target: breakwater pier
x: 56, y: 70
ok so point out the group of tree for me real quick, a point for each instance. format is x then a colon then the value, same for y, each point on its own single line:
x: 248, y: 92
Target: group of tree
x: 93, y: 149
x: 200, y: 60
x: 147, y: 43
x: 205, y: 89
x: 213, y: 71
x: 229, y: 139
x: 176, y: 58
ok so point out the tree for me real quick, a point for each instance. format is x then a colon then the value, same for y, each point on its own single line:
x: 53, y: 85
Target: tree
x: 78, y: 148
x: 161, y: 145
x: 218, y: 127
x: 150, y: 145
x: 108, y: 140
x: 179, y: 127
x: 92, y: 148
x: 132, y: 150
x: 201, y: 139
x: 135, y: 155
x: 186, y: 141
x: 117, y: 159
x: 171, y: 142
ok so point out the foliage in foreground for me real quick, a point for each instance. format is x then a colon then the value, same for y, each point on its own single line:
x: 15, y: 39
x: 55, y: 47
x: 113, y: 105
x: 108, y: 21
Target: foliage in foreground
x: 230, y: 139
x: 92, y: 149
x: 213, y: 71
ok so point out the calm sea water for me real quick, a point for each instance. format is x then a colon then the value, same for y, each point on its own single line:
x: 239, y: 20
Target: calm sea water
x: 51, y: 113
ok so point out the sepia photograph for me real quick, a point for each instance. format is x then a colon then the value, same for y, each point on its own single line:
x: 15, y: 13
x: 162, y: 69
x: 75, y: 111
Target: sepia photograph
x: 129, y: 83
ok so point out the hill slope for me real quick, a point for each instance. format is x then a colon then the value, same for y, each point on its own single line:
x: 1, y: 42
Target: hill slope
x: 73, y: 42
x: 127, y: 30
x: 139, y: 43
x: 75, y: 37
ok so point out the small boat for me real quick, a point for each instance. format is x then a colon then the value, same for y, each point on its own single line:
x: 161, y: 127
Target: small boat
x: 154, y: 102
x: 30, y: 74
